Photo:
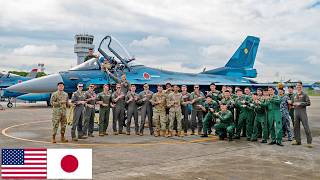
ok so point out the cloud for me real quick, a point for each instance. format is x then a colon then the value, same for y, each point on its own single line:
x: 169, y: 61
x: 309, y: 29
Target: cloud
x: 151, y: 42
x: 313, y: 60
x: 34, y: 50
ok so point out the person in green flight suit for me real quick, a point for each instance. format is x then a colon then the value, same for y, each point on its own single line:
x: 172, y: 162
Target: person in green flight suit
x: 291, y: 108
x: 90, y: 55
x: 274, y: 117
x: 244, y: 106
x: 250, y: 117
x: 210, y: 107
x: 225, y: 127
x: 259, y: 106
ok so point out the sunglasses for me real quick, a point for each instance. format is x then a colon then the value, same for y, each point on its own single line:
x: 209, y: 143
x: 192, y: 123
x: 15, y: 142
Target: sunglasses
x: 91, y: 86
x: 196, y: 87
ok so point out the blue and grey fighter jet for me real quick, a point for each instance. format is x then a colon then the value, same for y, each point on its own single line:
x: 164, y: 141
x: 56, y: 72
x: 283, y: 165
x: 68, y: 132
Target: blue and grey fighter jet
x: 236, y: 72
x: 10, y: 79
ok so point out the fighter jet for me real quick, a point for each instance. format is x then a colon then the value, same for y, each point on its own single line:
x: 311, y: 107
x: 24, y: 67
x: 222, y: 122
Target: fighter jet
x: 10, y: 79
x: 236, y: 72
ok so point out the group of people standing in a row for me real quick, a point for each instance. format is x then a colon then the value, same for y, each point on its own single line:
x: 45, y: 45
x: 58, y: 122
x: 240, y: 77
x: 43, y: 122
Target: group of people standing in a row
x: 251, y: 114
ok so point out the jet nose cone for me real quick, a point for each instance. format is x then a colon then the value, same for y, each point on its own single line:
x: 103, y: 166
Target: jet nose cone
x: 38, y: 85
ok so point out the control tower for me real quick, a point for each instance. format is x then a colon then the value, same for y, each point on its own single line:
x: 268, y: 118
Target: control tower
x: 82, y: 44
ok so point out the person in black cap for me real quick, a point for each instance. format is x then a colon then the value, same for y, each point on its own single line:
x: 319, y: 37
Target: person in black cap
x: 59, y: 102
x: 78, y: 99
x: 90, y: 55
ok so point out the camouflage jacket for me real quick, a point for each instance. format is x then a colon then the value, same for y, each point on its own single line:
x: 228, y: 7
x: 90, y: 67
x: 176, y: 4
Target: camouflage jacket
x: 199, y: 100
x: 174, y: 101
x: 59, y: 100
x: 159, y: 101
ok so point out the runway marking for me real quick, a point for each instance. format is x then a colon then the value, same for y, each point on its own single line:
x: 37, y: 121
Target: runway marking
x: 5, y: 133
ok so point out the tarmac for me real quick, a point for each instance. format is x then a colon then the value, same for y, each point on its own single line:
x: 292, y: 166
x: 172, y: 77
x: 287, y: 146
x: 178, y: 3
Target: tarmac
x: 190, y: 157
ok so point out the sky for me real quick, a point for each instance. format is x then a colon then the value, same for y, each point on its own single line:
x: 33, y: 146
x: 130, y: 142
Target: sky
x: 179, y: 35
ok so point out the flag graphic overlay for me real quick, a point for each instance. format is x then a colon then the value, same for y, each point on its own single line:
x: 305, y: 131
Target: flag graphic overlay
x: 24, y: 163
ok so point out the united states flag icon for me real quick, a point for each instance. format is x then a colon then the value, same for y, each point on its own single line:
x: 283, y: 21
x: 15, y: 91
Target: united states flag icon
x: 24, y: 163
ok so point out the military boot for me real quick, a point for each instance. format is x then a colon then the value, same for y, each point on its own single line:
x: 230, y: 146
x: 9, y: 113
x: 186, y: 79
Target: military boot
x: 163, y: 133
x: 180, y: 134
x: 63, y: 139
x: 169, y: 134
x: 53, y: 140
x: 157, y: 134
x: 192, y: 132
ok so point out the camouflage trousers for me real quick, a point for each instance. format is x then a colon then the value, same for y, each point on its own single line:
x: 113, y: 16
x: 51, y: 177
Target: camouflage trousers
x: 58, y: 116
x: 175, y: 114
x: 159, y: 117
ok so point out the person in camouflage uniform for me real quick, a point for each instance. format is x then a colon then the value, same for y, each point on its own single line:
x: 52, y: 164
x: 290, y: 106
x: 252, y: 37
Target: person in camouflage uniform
x: 118, y: 98
x: 274, y: 117
x: 284, y: 109
x: 184, y: 108
x: 174, y: 102
x: 104, y: 100
x: 59, y: 102
x: 146, y: 108
x: 167, y: 91
x: 259, y: 107
x: 159, y: 111
x: 197, y: 98
x: 132, y: 99
x: 210, y: 107
x: 90, y: 98
x: 225, y: 126
x: 78, y: 99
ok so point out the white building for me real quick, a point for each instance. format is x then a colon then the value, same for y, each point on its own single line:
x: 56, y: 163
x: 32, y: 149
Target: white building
x: 82, y: 44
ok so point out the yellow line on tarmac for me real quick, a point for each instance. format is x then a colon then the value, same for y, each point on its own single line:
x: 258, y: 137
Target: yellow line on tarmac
x: 4, y: 132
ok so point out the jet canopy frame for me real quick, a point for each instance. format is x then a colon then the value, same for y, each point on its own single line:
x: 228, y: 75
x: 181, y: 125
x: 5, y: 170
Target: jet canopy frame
x: 124, y: 60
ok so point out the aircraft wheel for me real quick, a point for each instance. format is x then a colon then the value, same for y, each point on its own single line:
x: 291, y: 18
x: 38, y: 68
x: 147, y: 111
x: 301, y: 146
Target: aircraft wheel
x: 9, y: 105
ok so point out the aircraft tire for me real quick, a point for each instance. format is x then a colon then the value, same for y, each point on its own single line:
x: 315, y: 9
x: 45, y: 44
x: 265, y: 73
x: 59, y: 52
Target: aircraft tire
x: 9, y: 105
